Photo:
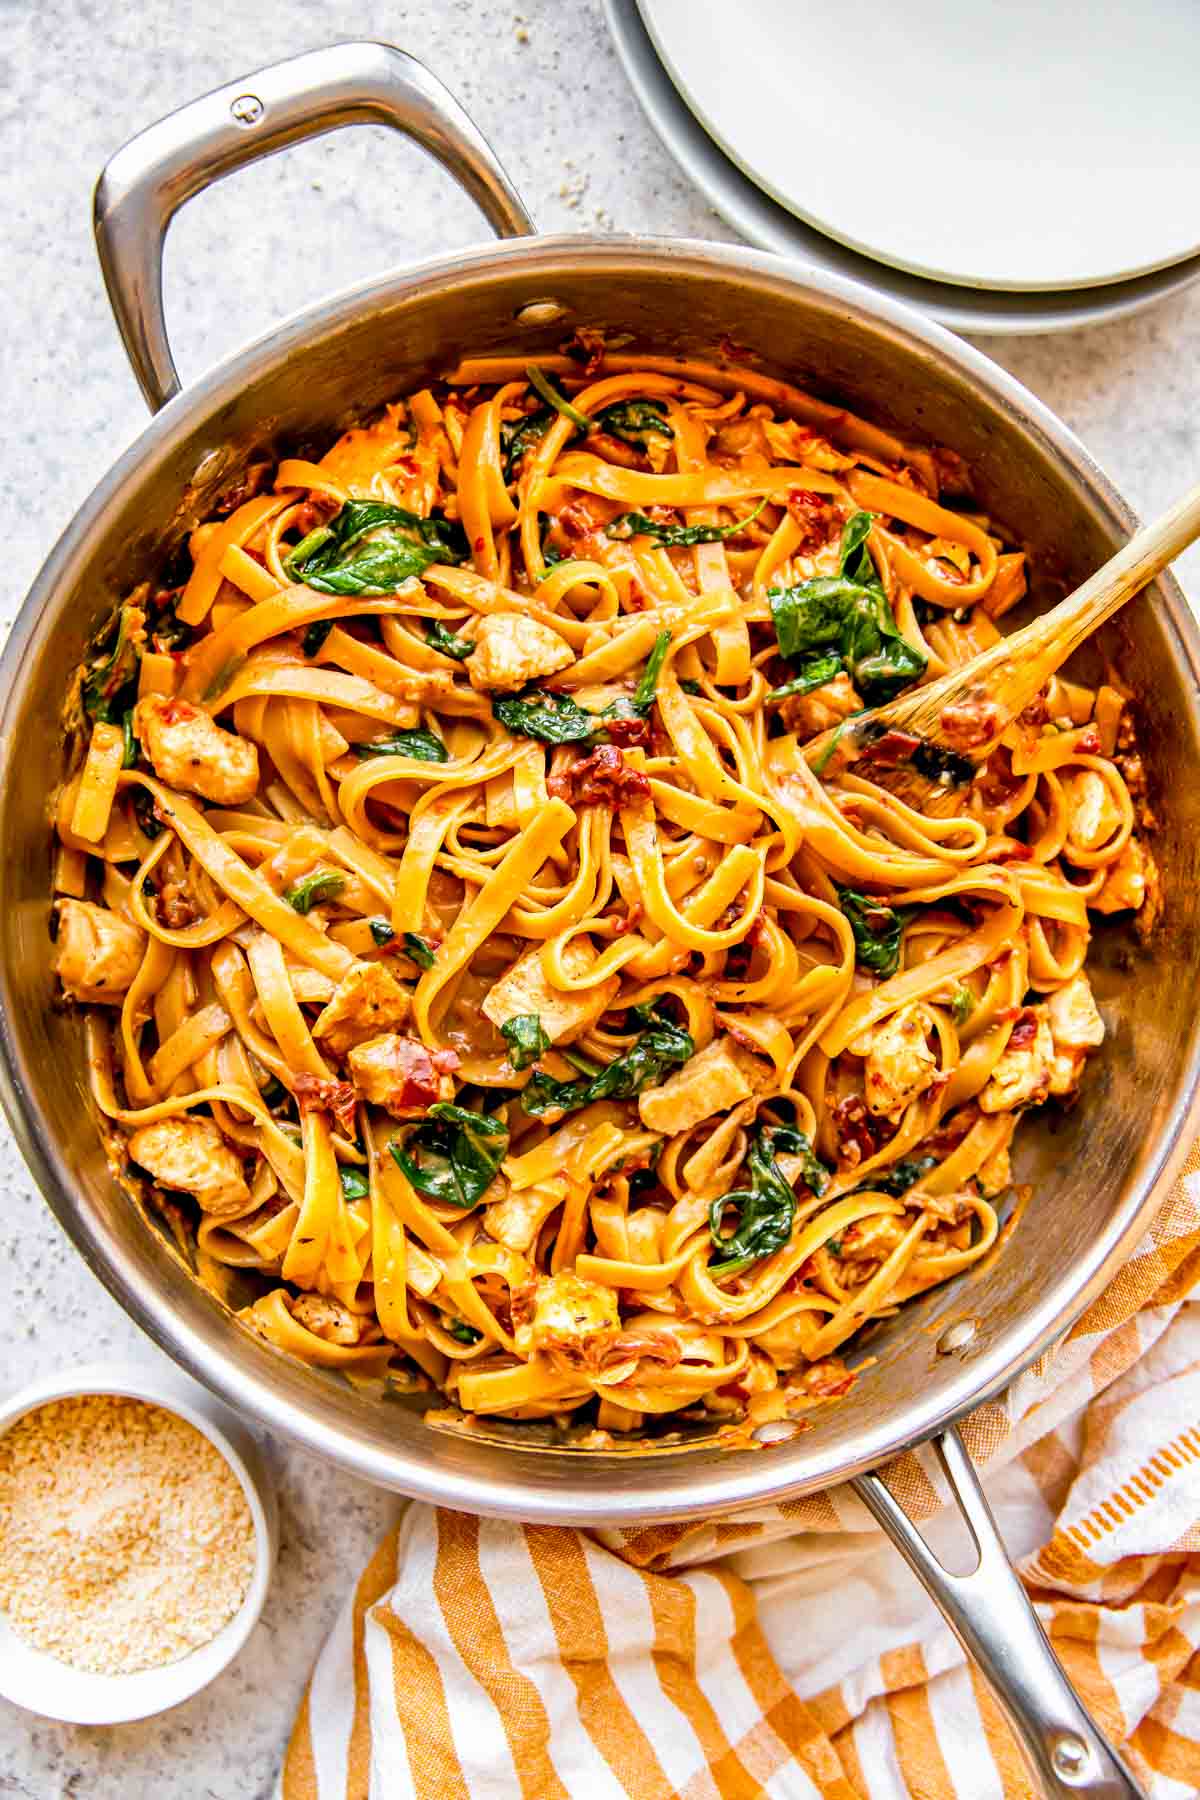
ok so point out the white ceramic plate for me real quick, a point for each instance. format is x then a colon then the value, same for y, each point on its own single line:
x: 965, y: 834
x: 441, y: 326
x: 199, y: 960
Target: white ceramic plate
x: 1001, y: 144
x: 764, y: 222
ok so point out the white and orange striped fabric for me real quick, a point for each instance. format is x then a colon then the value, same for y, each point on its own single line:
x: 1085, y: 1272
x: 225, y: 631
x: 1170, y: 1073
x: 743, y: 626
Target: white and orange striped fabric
x: 791, y: 1654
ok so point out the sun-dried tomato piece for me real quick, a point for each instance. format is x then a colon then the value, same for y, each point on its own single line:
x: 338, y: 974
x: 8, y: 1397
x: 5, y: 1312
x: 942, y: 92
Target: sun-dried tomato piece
x: 602, y: 778
x: 890, y: 751
x: 968, y: 723
x: 858, y: 1133
x: 630, y: 733
x: 818, y: 515
x: 314, y: 1094
x: 1024, y: 1029
x: 585, y: 346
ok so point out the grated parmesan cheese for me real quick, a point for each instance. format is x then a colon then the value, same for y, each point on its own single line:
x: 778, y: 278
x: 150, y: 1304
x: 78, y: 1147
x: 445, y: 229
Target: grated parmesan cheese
x: 125, y: 1537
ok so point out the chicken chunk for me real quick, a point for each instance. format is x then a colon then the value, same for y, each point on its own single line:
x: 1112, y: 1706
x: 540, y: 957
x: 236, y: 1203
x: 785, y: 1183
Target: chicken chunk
x: 563, y: 1313
x: 1009, y: 584
x: 189, y: 750
x: 517, y: 1218
x: 401, y: 1075
x: 1065, y: 1071
x: 1128, y: 880
x: 808, y: 714
x: 899, y: 1063
x: 1076, y: 1027
x: 326, y: 1318
x: 871, y: 1240
x: 511, y: 650
x: 565, y: 1014
x: 1074, y: 1018
x: 1022, y: 1075
x: 367, y: 1002
x: 98, y: 952
x: 952, y: 1209
x: 784, y: 1343
x: 190, y: 1154
x: 712, y: 1081
x: 994, y: 1175
x: 1093, y: 811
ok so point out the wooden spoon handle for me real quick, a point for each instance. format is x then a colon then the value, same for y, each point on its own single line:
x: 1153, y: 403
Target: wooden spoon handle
x: 1145, y: 555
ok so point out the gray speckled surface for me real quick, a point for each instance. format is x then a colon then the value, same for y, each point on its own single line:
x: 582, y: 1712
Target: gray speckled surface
x: 75, y: 81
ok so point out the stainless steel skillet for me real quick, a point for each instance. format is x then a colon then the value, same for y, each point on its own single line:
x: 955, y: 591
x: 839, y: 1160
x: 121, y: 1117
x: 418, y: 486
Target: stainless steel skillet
x: 1099, y: 1177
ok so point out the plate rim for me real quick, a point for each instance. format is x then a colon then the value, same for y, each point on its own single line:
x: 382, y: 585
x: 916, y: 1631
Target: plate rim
x: 978, y: 312
x: 828, y: 229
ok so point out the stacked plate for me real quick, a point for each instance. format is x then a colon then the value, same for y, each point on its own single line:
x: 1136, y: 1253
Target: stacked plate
x: 1007, y: 166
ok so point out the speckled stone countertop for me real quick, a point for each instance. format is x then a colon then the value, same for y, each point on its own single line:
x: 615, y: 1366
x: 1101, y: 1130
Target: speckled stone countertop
x: 546, y: 88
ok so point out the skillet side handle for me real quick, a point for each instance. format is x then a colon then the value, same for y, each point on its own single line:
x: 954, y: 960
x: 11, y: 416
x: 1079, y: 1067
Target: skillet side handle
x: 993, y: 1618
x: 143, y: 186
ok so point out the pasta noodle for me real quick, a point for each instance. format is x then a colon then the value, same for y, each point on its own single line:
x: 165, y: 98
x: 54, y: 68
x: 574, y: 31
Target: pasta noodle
x: 470, y: 943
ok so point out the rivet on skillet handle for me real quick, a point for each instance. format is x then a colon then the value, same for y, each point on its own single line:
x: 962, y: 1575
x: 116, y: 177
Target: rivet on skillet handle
x: 993, y: 1618
x: 157, y: 172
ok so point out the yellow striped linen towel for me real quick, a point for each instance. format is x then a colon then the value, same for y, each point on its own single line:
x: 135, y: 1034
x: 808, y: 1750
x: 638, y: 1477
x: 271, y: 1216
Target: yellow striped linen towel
x: 790, y: 1653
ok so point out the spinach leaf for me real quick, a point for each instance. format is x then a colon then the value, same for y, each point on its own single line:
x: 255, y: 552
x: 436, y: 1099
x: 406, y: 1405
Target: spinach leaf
x: 944, y: 766
x: 636, y: 524
x: 962, y: 1005
x: 815, y: 671
x: 132, y: 746
x: 555, y: 718
x: 438, y: 638
x: 313, y: 640
x: 273, y: 1093
x: 633, y: 421
x: 419, y: 948
x: 526, y: 1039
x: 551, y: 718
x: 340, y: 558
x: 458, y: 1328
x: 143, y: 812
x: 422, y: 746
x: 647, y: 687
x: 518, y: 436
x: 661, y: 1047
x: 322, y: 884
x: 551, y: 554
x: 877, y: 928
x: 831, y: 612
x: 355, y: 1185
x: 826, y: 757
x: 104, y: 689
x: 766, y: 1208
x: 848, y: 613
x: 382, y: 932
x: 880, y: 661
x: 168, y: 632
x: 453, y: 1156
x: 900, y: 1177
x: 550, y: 394
x: 854, y: 561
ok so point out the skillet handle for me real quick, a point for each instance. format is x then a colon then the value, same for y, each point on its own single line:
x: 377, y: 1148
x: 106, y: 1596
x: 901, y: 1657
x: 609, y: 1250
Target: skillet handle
x: 993, y: 1619
x: 154, y: 174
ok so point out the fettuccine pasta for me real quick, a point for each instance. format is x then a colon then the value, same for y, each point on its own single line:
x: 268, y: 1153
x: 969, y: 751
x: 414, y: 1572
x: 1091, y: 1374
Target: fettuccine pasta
x: 471, y: 950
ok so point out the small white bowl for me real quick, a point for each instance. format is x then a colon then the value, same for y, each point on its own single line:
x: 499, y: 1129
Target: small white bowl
x: 45, y: 1685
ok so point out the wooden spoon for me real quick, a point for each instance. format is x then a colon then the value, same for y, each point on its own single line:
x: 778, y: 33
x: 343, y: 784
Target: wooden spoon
x: 926, y: 744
